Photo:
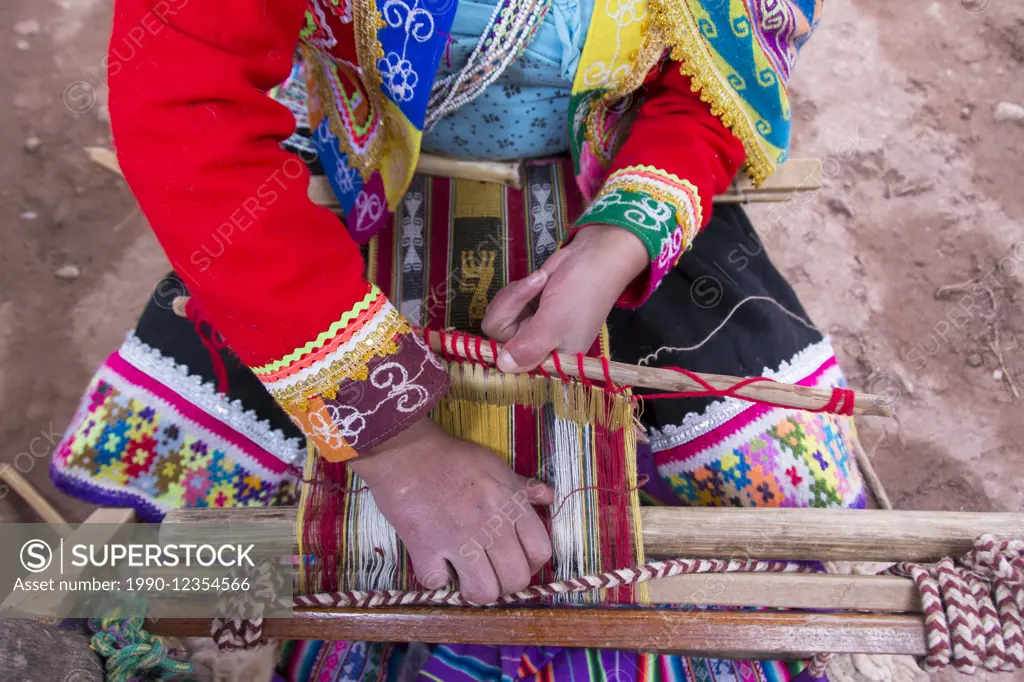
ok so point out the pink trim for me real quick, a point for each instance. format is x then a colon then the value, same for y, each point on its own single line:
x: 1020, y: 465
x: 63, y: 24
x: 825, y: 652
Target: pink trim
x: 682, y: 453
x: 195, y: 414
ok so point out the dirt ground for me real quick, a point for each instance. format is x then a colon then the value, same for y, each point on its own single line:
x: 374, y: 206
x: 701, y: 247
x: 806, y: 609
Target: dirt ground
x: 911, y: 257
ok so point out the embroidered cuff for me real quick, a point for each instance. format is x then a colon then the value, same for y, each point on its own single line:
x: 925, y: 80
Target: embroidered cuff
x: 360, y: 382
x: 659, y: 208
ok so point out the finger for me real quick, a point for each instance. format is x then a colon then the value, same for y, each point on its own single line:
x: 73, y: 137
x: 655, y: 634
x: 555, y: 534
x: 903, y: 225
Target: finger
x: 533, y: 341
x: 431, y: 570
x: 537, y: 492
x: 509, y: 562
x: 477, y: 580
x: 507, y: 309
x: 534, y: 539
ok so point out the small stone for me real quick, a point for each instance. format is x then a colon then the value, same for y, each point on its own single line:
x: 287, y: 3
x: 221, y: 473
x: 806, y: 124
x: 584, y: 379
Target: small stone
x: 21, y: 44
x: 29, y: 27
x: 1008, y: 111
x: 975, y: 67
x: 32, y: 144
x: 29, y: 215
x: 68, y: 271
x: 837, y: 207
x: 965, y: 113
x: 975, y: 360
x: 997, y: 374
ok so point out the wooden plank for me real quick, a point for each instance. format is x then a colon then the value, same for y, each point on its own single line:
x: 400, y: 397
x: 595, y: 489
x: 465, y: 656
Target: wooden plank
x: 826, y: 591
x: 795, y: 175
x: 760, y: 533
x: 819, y: 534
x: 737, y: 634
x: 48, y: 605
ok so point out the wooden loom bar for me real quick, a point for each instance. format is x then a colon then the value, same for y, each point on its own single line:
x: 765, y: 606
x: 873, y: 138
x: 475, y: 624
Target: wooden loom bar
x: 788, y: 395
x: 738, y: 634
x: 825, y: 591
x: 793, y: 176
x: 709, y: 532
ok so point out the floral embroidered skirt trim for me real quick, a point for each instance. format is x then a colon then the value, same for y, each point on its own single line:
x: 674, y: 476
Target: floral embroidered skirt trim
x: 154, y: 432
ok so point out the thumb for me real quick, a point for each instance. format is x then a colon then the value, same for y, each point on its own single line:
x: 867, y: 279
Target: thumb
x: 537, y: 492
x: 511, y: 305
x: 536, y: 337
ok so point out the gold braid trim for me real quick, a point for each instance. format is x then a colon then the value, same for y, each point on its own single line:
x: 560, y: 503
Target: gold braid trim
x: 367, y: 21
x: 364, y: 162
x: 353, y: 365
x: 683, y: 197
x: 644, y: 58
x: 671, y: 20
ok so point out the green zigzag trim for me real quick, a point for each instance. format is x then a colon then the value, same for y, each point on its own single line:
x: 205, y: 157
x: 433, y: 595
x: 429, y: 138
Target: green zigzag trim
x: 324, y: 336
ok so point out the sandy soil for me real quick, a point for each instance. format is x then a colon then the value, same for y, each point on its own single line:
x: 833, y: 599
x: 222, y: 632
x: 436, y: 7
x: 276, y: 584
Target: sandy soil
x: 911, y: 257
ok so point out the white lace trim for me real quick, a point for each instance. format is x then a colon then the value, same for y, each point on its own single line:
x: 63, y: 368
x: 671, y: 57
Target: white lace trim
x: 694, y: 424
x: 205, y: 396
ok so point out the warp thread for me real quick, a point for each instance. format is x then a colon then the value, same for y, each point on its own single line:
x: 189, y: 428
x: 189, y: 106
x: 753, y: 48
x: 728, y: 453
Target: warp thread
x: 130, y: 653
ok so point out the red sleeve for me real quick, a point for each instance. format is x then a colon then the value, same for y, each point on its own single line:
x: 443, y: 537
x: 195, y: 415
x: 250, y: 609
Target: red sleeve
x: 676, y: 132
x: 676, y: 157
x: 199, y: 143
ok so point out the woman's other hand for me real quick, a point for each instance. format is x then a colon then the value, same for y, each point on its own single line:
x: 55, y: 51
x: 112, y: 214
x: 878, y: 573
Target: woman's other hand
x: 562, y: 305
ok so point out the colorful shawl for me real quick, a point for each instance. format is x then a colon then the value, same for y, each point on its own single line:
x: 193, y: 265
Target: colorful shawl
x: 372, y: 66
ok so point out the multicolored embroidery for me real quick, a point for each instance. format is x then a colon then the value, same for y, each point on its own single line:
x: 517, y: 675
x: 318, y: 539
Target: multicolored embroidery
x: 345, y: 109
x: 351, y: 321
x: 659, y: 208
x: 135, y: 442
x: 753, y: 455
x: 739, y: 56
x: 740, y: 65
x: 358, y: 381
x: 372, y: 65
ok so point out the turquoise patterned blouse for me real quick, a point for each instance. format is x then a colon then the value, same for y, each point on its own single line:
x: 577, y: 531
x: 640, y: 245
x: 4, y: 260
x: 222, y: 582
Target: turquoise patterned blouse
x: 524, y: 113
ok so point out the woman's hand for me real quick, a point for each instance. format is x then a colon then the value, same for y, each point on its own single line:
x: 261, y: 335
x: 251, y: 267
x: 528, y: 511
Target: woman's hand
x: 562, y: 305
x: 453, y: 502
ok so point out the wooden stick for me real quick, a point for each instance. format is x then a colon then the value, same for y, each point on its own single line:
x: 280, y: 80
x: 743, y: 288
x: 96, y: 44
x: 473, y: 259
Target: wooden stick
x: 503, y: 172
x: 714, y: 533
x: 819, y: 591
x: 720, y: 634
x: 871, y: 476
x: 786, y: 395
x: 34, y: 499
x: 793, y: 176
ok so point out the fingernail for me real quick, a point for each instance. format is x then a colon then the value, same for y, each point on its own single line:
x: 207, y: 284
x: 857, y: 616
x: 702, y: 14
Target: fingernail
x: 537, y: 277
x: 505, y: 362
